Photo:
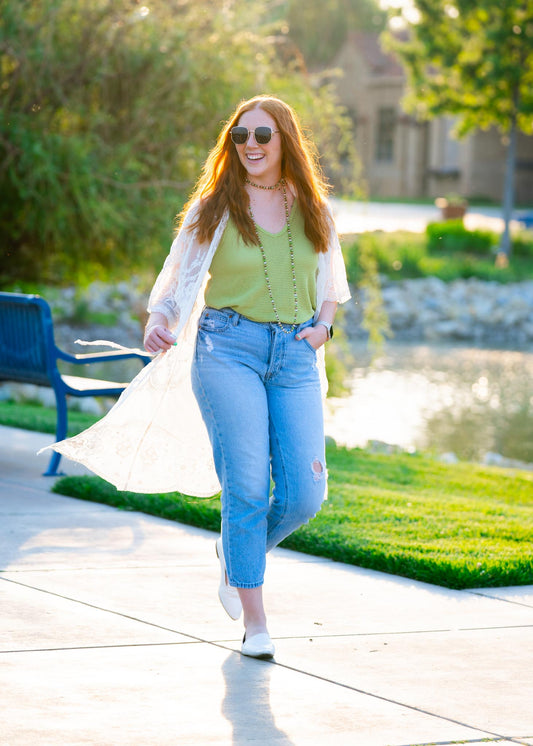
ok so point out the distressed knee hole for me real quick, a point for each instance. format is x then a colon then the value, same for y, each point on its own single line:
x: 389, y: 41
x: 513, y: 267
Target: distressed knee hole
x: 318, y: 469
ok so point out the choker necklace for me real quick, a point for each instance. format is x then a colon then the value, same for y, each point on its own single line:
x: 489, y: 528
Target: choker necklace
x: 260, y: 186
x: 291, y: 252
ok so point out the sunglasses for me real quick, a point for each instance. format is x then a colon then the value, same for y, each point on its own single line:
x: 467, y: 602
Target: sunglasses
x: 262, y: 135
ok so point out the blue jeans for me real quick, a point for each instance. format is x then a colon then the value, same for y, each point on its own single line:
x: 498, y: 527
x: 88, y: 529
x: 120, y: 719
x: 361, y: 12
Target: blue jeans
x: 258, y: 390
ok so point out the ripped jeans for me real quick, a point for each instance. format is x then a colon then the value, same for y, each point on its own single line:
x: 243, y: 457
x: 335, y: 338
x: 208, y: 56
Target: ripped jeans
x: 259, y: 393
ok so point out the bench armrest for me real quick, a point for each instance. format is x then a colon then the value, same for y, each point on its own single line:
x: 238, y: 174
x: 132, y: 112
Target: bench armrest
x: 102, y: 357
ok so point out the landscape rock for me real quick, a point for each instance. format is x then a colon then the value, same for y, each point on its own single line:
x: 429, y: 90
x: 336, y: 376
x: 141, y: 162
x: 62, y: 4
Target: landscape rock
x: 463, y: 310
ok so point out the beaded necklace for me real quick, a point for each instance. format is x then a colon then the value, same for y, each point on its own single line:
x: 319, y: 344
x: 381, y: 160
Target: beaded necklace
x: 281, y: 183
x: 261, y: 186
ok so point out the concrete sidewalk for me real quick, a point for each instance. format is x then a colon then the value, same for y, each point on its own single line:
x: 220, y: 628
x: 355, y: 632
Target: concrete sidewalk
x: 111, y: 633
x: 360, y: 216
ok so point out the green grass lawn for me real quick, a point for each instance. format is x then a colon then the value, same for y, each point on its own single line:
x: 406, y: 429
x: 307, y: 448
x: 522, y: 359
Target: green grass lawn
x: 459, y: 526
x: 33, y: 416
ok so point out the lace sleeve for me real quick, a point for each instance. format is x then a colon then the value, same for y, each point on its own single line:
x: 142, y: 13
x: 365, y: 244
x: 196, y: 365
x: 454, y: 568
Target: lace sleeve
x: 332, y: 284
x: 175, y: 273
x: 178, y: 285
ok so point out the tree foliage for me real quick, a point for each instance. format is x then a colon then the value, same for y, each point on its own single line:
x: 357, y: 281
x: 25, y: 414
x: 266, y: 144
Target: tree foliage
x: 471, y: 59
x: 319, y: 28
x: 108, y: 109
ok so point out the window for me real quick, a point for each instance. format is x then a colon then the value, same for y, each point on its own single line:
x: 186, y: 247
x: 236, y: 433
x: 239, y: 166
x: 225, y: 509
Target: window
x: 385, y: 134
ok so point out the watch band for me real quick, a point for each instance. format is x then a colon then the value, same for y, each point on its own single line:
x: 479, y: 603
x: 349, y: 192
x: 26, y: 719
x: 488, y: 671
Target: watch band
x: 329, y: 327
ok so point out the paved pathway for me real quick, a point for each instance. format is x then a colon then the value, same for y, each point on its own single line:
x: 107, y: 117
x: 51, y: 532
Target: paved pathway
x: 357, y: 217
x: 111, y: 634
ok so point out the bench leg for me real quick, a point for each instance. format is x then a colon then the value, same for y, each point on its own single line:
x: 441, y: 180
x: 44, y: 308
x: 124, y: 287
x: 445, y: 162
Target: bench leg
x: 61, y: 432
x: 52, y: 466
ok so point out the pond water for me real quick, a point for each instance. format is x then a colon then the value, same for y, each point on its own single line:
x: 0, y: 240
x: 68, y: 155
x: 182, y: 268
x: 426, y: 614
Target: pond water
x: 439, y: 398
x: 436, y: 398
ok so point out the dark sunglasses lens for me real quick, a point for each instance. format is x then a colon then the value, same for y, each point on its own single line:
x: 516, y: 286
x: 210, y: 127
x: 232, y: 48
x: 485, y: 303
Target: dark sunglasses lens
x: 263, y: 135
x: 239, y: 135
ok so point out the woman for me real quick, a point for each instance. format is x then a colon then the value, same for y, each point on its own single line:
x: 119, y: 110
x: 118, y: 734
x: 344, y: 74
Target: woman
x: 242, y: 308
x: 254, y: 373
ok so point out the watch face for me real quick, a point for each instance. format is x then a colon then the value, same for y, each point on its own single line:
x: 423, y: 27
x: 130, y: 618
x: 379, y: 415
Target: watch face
x: 331, y: 332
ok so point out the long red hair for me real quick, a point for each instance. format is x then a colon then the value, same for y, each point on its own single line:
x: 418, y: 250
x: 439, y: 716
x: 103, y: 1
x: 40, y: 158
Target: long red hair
x: 221, y: 184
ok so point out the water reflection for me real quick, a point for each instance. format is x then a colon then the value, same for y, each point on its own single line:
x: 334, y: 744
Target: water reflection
x: 439, y: 398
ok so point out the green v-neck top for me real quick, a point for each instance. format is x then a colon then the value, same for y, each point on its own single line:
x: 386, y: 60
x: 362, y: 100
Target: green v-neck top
x: 237, y: 277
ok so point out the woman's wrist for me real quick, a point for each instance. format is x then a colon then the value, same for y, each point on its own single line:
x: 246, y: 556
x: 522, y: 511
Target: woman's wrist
x: 155, y: 319
x: 327, y: 326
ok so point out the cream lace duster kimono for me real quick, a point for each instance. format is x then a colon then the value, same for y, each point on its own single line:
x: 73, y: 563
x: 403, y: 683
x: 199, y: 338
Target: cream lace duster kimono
x: 154, y: 438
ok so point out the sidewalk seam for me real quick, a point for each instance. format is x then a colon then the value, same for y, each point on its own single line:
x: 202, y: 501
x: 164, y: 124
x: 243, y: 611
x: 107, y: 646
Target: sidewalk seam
x: 499, y: 598
x: 285, y: 666
x: 401, y: 704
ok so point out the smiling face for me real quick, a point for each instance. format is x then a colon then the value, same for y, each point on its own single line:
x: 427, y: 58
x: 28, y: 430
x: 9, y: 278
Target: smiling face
x: 262, y: 162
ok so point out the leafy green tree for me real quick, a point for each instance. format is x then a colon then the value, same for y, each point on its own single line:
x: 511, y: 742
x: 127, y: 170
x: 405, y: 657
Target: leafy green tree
x: 319, y: 27
x: 473, y: 59
x: 108, y: 109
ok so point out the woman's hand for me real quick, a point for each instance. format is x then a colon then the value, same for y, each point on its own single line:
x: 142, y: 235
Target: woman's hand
x: 315, y: 335
x: 158, y: 338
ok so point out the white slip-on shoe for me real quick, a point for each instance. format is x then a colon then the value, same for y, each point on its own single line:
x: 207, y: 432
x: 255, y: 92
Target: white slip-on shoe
x: 258, y: 646
x: 229, y: 596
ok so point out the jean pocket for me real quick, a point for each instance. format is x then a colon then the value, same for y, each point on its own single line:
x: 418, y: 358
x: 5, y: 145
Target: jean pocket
x: 307, y: 344
x: 213, y: 320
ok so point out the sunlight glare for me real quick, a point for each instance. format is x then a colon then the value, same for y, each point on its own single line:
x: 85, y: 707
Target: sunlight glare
x: 452, y: 11
x: 409, y: 12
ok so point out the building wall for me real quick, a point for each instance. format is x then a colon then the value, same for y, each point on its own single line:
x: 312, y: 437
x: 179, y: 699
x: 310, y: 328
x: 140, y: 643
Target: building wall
x: 448, y: 159
x: 488, y: 167
x: 426, y: 160
x: 386, y: 175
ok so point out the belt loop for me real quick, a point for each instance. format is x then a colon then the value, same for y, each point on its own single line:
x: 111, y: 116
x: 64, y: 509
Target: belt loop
x: 234, y: 317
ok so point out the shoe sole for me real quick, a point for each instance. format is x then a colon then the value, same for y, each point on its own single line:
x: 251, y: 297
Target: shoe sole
x: 223, y: 570
x: 261, y: 657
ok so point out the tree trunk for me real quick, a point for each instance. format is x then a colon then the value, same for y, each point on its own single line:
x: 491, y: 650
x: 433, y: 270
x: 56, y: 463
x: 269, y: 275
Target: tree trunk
x: 508, y: 190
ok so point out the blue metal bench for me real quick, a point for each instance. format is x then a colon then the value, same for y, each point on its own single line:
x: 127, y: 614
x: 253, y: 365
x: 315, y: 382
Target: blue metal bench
x: 28, y: 354
x: 526, y: 218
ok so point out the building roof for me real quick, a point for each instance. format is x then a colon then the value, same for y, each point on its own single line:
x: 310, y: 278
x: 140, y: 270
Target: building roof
x: 379, y: 62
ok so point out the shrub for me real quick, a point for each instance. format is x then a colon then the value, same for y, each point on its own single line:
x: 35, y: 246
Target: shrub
x: 452, y: 236
x: 522, y: 244
x: 402, y: 255
x: 398, y: 253
x: 462, y: 266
